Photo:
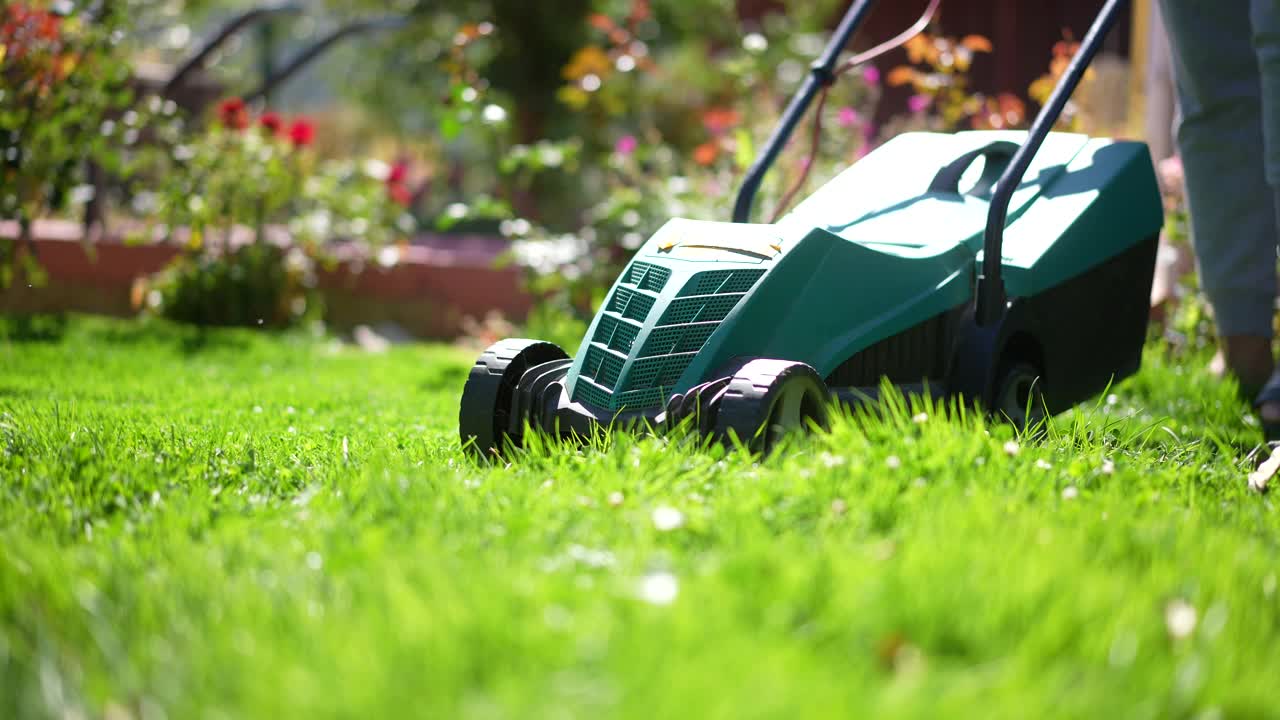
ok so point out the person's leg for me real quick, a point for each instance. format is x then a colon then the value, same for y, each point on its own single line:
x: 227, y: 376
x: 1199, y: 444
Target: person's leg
x: 1233, y: 208
x: 1265, y: 18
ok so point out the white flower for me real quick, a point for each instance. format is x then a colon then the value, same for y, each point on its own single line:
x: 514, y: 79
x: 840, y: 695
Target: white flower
x: 659, y: 588
x: 755, y: 43
x: 389, y: 256
x: 590, y: 557
x: 377, y: 169
x: 296, y: 261
x: 1180, y: 618
x: 493, y: 114
x: 666, y: 519
x: 319, y: 223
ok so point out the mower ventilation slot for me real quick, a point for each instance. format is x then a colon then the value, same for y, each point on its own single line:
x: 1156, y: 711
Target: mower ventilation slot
x: 647, y: 277
x: 608, y: 381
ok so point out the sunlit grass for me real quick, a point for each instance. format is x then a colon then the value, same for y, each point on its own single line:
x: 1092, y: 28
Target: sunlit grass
x: 234, y: 525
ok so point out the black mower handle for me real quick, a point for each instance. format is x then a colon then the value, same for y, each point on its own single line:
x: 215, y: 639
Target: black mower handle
x: 320, y: 47
x: 991, y: 296
x: 234, y: 26
x: 997, y: 154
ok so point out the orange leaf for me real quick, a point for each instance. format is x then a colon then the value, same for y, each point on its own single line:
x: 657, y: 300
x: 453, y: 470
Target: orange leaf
x: 1041, y: 89
x: 976, y: 43
x: 602, y: 22
x: 901, y: 75
x: 587, y: 61
x: 640, y: 11
x: 718, y: 120
x: 917, y: 47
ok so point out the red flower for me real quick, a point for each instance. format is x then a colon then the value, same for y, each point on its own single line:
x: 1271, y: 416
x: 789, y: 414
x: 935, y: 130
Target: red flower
x: 399, y: 173
x: 302, y: 133
x: 233, y: 114
x: 400, y: 194
x: 271, y: 122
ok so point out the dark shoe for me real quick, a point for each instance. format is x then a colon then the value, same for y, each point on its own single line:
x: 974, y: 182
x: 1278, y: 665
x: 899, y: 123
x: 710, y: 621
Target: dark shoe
x: 1269, y: 395
x: 1247, y: 358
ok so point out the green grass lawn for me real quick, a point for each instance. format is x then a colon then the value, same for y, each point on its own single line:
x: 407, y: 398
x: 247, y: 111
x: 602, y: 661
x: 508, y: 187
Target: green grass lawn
x: 238, y: 525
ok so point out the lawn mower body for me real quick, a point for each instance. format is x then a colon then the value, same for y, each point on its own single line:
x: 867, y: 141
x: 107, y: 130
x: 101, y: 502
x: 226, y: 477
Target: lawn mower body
x: 870, y: 277
x: 883, y: 273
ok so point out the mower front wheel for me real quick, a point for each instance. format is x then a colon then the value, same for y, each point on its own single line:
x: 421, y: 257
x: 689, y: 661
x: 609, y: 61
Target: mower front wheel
x: 484, y: 415
x: 1019, y: 396
x: 768, y: 399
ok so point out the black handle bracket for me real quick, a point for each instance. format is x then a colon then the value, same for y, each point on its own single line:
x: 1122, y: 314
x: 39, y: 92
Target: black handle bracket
x: 991, y: 296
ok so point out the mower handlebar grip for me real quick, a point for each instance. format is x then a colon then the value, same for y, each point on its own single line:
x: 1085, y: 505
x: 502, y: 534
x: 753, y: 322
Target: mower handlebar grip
x: 997, y: 154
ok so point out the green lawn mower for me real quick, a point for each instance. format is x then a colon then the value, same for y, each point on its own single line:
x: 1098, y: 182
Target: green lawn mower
x: 1009, y: 269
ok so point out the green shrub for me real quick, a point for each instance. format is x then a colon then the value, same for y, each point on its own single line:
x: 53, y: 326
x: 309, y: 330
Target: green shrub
x: 255, y: 285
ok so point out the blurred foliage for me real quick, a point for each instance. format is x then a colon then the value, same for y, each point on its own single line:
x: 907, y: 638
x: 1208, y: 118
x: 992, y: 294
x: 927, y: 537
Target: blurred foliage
x: 224, y: 189
x: 575, y: 133
x: 659, y: 120
x: 64, y: 82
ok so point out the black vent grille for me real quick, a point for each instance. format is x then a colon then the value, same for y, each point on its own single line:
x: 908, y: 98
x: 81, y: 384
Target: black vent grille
x: 680, y: 332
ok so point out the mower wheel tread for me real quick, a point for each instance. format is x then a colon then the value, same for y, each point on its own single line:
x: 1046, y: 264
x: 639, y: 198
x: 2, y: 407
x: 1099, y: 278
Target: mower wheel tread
x: 748, y: 405
x: 485, y: 410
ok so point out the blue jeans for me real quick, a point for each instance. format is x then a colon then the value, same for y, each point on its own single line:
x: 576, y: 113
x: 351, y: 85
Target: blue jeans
x: 1226, y: 57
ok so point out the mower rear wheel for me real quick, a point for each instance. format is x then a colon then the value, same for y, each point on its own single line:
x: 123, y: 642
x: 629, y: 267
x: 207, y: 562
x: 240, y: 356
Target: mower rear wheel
x: 768, y: 399
x: 484, y: 414
x: 1019, y: 396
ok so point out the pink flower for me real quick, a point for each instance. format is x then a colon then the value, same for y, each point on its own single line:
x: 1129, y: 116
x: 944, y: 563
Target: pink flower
x: 871, y: 75
x: 919, y: 103
x: 627, y: 144
x: 848, y: 117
